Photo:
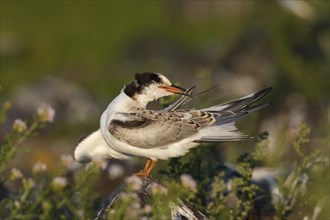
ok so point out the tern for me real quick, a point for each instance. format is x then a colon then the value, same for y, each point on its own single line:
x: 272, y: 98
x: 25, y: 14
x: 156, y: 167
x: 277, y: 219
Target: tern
x: 128, y: 128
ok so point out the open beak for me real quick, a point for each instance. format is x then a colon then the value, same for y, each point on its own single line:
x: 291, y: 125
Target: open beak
x: 175, y: 89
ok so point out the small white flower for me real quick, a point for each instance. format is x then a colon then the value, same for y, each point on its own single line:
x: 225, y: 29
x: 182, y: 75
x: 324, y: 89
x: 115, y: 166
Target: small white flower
x: 19, y: 125
x: 67, y: 160
x: 17, y: 204
x: 15, y: 174
x: 100, y: 163
x: 158, y: 189
x: 46, y: 113
x: 188, y: 182
x: 39, y: 167
x: 115, y: 171
x: 135, y: 183
x: 70, y: 163
x: 59, y: 182
x: 28, y: 183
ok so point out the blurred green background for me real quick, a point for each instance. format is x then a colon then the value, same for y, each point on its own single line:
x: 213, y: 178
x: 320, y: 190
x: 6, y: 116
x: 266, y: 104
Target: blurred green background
x: 77, y: 55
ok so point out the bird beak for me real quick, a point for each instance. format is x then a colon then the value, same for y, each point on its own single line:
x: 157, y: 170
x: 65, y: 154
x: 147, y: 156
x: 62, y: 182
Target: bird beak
x: 175, y: 89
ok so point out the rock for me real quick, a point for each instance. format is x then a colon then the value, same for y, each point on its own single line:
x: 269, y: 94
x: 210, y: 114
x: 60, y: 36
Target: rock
x: 144, y: 187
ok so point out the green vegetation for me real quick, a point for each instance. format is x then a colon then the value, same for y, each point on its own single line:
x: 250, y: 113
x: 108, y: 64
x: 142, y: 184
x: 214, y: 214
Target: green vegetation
x: 67, y: 192
x: 97, y: 46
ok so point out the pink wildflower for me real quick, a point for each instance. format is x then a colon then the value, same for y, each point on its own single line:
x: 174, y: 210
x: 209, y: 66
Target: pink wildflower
x: 59, y: 182
x: 15, y: 174
x: 39, y: 167
x: 19, y: 125
x: 188, y: 182
x: 46, y: 113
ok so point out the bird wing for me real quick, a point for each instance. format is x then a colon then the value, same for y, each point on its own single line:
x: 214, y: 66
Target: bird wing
x: 151, y: 129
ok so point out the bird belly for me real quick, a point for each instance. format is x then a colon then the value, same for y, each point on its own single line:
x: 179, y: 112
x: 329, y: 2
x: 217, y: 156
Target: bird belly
x: 163, y: 153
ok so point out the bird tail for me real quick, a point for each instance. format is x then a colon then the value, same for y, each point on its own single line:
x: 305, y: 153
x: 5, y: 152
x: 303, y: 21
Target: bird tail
x: 224, y: 128
x: 231, y: 111
x: 225, y: 132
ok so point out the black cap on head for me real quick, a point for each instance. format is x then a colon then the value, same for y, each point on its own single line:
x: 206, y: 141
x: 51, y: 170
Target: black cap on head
x: 141, y: 80
x: 147, y: 78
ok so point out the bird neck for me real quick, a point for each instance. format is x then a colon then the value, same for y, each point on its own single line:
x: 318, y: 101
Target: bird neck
x: 124, y: 103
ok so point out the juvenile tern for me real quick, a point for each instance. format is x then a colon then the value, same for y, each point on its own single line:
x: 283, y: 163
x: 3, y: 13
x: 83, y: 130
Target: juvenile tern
x: 128, y: 128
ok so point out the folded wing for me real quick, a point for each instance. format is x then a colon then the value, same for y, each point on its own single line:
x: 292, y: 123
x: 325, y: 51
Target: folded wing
x: 151, y: 129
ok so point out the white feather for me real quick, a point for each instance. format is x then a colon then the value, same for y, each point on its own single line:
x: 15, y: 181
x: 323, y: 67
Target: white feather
x: 94, y: 147
x: 222, y: 132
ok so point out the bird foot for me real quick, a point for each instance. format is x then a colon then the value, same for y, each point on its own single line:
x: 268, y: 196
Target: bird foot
x: 142, y: 174
x: 145, y: 173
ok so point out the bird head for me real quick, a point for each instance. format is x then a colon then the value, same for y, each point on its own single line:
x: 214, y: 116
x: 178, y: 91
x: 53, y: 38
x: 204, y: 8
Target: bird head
x: 148, y: 87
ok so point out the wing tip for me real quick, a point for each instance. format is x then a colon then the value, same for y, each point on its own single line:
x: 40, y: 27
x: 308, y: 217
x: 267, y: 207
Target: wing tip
x: 224, y: 139
x: 261, y: 93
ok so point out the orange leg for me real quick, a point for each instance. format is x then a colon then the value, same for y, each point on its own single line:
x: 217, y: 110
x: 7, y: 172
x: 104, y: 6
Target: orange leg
x: 153, y: 164
x: 147, y: 169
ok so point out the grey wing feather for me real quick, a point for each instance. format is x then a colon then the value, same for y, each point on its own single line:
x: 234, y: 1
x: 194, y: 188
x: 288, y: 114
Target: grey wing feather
x: 240, y: 103
x: 150, y: 129
x: 231, y: 111
x: 226, y: 114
